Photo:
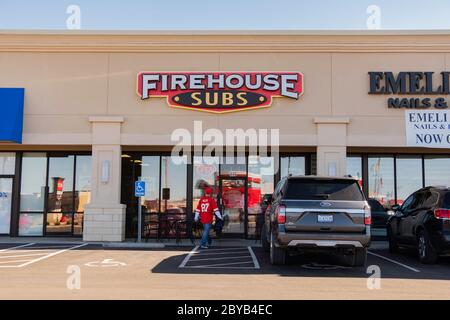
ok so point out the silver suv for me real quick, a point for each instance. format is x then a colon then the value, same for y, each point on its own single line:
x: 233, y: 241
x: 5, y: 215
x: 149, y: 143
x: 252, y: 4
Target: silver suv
x: 312, y: 213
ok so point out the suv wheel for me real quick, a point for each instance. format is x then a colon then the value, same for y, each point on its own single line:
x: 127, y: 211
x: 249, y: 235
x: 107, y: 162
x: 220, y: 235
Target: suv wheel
x: 264, y: 241
x: 393, y: 245
x: 427, y: 254
x: 277, y: 255
x: 360, y: 257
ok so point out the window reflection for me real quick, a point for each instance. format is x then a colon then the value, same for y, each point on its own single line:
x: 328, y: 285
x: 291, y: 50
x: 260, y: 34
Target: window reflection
x: 292, y: 166
x: 206, y: 173
x: 437, y: 170
x: 150, y: 174
x: 7, y: 162
x: 409, y: 176
x: 32, y: 193
x: 354, y: 167
x: 60, y: 194
x: 173, y: 186
x: 261, y: 171
x: 381, y: 179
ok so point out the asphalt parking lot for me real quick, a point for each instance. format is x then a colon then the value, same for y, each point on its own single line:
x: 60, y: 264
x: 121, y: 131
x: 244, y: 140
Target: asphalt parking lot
x: 89, y: 271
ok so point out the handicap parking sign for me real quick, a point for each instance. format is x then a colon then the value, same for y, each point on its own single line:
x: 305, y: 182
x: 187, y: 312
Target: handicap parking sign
x: 139, y: 188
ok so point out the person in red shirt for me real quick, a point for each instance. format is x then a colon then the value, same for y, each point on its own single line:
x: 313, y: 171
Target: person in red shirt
x: 206, y: 209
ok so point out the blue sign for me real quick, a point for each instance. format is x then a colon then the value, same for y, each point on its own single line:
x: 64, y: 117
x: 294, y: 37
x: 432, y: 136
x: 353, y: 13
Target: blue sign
x: 11, y: 116
x: 139, y: 188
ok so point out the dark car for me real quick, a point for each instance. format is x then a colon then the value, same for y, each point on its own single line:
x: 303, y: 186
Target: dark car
x: 317, y: 214
x: 380, y: 214
x: 422, y: 222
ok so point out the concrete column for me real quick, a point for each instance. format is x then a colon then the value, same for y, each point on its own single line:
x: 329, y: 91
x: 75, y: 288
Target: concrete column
x: 104, y: 217
x: 331, y: 145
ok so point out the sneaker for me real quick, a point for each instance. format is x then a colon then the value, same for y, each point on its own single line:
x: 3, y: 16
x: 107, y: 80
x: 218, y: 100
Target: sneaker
x: 204, y: 247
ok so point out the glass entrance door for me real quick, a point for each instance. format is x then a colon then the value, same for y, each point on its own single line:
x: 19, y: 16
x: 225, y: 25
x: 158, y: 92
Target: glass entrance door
x: 5, y: 204
x: 231, y: 199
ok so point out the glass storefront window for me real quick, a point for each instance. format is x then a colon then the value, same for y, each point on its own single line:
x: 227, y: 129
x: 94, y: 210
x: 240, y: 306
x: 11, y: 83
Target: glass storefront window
x: 261, y: 171
x: 409, y: 176
x: 5, y: 204
x: 437, y: 170
x: 32, y: 193
x: 381, y: 179
x: 150, y: 174
x: 292, y: 166
x: 83, y: 172
x: 206, y: 174
x: 7, y: 162
x: 173, y: 186
x: 31, y: 224
x: 354, y: 167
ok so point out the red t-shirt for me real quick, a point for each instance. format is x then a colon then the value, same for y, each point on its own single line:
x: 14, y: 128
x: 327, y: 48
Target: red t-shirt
x: 206, y: 208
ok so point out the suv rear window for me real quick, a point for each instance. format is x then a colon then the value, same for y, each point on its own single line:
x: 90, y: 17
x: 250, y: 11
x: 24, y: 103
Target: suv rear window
x: 446, y: 203
x: 315, y: 189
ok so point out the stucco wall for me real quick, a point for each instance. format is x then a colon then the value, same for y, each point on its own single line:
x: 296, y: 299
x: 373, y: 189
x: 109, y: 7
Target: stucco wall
x: 69, y: 78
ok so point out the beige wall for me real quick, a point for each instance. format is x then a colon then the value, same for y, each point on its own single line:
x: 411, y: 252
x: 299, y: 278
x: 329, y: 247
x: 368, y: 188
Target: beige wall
x: 69, y: 78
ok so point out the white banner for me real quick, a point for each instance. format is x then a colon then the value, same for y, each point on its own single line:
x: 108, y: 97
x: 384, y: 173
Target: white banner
x: 430, y: 128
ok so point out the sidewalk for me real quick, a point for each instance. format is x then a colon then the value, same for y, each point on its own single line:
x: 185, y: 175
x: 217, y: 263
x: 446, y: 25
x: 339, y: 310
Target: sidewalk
x: 131, y: 243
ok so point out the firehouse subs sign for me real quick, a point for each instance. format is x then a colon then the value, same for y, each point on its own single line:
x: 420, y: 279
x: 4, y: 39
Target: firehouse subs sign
x: 220, y: 92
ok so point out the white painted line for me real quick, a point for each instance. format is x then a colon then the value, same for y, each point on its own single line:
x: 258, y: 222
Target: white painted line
x: 221, y: 264
x: 250, y: 268
x: 16, y: 247
x: 186, y: 259
x: 217, y: 253
x: 223, y: 249
x: 52, y: 247
x: 23, y: 255
x: 393, y: 261
x: 51, y: 255
x: 14, y: 261
x: 255, y: 261
x: 235, y: 257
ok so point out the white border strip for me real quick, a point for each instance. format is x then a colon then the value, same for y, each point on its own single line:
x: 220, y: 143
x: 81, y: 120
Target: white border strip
x: 51, y: 255
x: 255, y: 260
x: 17, y: 247
x: 393, y: 261
x: 186, y: 259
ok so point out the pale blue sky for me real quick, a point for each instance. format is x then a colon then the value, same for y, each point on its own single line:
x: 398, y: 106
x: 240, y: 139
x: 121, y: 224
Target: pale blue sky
x: 229, y: 14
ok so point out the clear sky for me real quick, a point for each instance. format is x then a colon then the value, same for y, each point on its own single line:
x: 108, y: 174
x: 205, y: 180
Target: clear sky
x: 229, y: 14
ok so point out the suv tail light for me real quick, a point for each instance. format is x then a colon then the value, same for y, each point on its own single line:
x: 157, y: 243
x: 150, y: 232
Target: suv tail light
x: 367, y: 216
x: 280, y: 214
x: 442, y: 214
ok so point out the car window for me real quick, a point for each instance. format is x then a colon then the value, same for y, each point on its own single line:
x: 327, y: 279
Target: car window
x: 431, y: 199
x: 277, y: 189
x: 375, y: 205
x: 333, y: 189
x: 407, y: 202
x: 417, y: 201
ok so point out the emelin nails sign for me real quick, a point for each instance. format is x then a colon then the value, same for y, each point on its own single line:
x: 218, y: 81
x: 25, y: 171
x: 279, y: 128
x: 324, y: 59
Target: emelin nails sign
x: 219, y: 92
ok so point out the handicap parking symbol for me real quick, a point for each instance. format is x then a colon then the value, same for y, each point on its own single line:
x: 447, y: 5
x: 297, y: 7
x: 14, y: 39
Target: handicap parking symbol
x: 139, y: 188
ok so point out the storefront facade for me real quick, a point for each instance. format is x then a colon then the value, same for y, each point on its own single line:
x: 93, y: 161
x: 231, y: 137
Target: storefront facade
x: 89, y: 131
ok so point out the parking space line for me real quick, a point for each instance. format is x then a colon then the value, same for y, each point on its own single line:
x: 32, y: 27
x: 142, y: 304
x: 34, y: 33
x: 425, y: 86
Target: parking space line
x: 225, y: 249
x: 245, y: 253
x: 13, y: 261
x: 51, y: 255
x: 255, y: 260
x: 186, y: 259
x: 234, y: 257
x: 215, y: 253
x: 393, y: 261
x: 16, y: 247
x: 23, y: 255
x: 220, y: 264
